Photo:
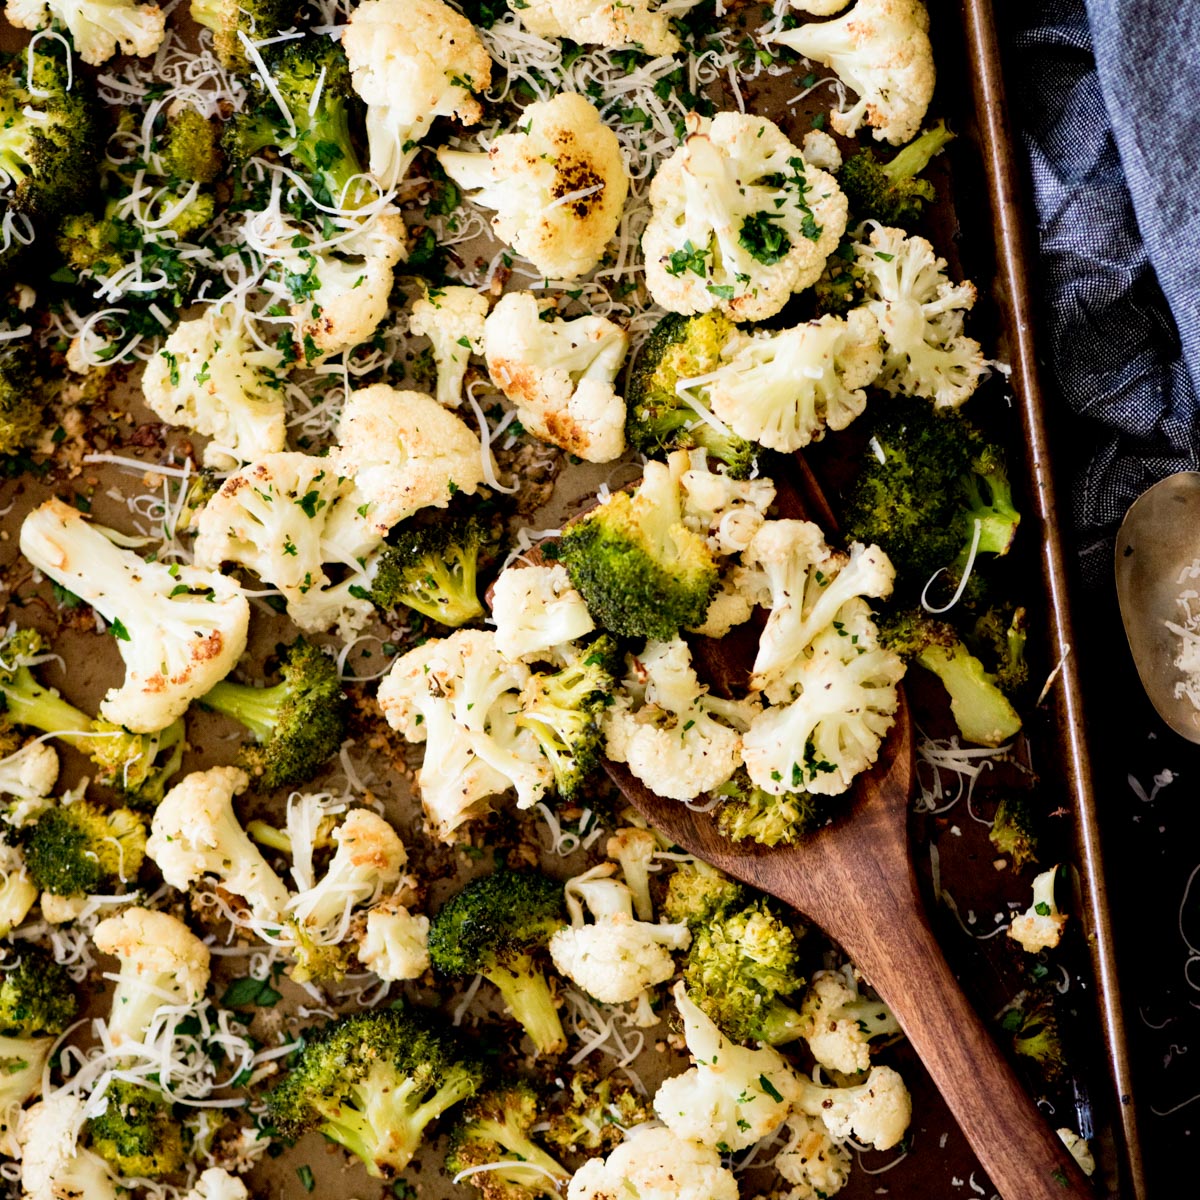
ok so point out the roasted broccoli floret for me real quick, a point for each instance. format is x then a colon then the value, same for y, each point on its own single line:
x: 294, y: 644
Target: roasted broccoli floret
x: 1014, y: 830
x: 740, y: 966
x: 497, y: 927
x: 79, y: 848
x: 36, y: 995
x: 1032, y: 1021
x: 372, y: 1082
x: 22, y: 411
x: 257, y: 19
x: 641, y: 571
x: 697, y: 892
x: 981, y: 710
x: 1000, y: 632
x: 50, y: 137
x: 747, y: 813
x: 841, y: 285
x: 138, y: 765
x: 496, y: 1128
x: 313, y: 78
x: 137, y: 1134
x: 891, y: 192
x: 659, y: 419
x: 431, y: 568
x: 925, y: 480
x: 191, y: 147
x: 299, y: 723
x: 590, y: 1114
x: 563, y: 710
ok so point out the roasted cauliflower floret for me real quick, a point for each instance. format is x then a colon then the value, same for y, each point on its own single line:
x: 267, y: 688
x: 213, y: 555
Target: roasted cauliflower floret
x: 98, y: 28
x: 815, y: 1165
x: 452, y: 318
x: 604, y: 22
x: 560, y: 375
x: 395, y: 942
x: 655, y: 1164
x: 536, y: 611
x: 558, y: 185
x: 739, y: 220
x: 1041, y: 925
x: 839, y: 1023
x: 876, y: 1112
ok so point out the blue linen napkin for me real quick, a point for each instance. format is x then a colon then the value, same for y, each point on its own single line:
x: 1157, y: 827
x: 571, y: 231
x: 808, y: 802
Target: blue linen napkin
x: 1106, y: 97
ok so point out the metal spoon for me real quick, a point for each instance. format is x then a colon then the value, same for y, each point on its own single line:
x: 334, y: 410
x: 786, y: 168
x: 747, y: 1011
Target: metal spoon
x: 1157, y: 544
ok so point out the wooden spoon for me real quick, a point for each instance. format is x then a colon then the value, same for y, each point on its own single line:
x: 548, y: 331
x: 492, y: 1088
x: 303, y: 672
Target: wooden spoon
x: 855, y: 880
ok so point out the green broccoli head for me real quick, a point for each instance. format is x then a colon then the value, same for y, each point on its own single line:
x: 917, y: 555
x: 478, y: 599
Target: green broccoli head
x: 564, y: 710
x: 891, y: 192
x: 1032, y: 1020
x: 37, y: 995
x: 50, y: 139
x: 432, y: 569
x: 138, y: 765
x: 100, y: 245
x: 80, y: 848
x: 980, y: 709
x: 495, y: 1127
x: 372, y: 1082
x: 228, y: 19
x: 1000, y: 633
x: 842, y: 283
x: 1015, y: 829
x: 312, y: 76
x: 641, y: 571
x: 190, y: 149
x: 747, y: 813
x: 22, y: 407
x: 658, y: 419
x: 697, y: 893
x: 138, y: 1133
x: 589, y: 1115
x: 924, y: 482
x: 738, y: 969
x: 498, y: 926
x: 299, y: 723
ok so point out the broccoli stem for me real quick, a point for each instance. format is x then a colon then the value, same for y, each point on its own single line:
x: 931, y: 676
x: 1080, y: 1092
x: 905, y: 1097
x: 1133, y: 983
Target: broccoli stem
x: 268, y: 835
x: 530, y: 1001
x: 255, y: 708
x: 445, y: 594
x: 515, y: 1142
x: 42, y: 708
x: 990, y: 502
x: 916, y: 156
x: 780, y: 1023
x: 981, y: 710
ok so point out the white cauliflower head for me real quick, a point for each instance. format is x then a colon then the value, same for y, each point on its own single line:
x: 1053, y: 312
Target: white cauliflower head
x: 822, y: 151
x: 881, y: 50
x: 452, y: 318
x: 616, y: 958
x: 180, y: 629
x: 558, y: 185
x: 162, y: 963
x: 195, y: 833
x: 217, y: 1184
x: 53, y: 1165
x: 728, y: 511
x: 412, y: 61
x: 395, y: 943
x: 98, y: 28
x: 876, y: 1111
x: 733, y: 1096
x: 839, y: 1023
x: 644, y: 23
x: 459, y: 696
x: 920, y: 314
x: 213, y: 378
x: 678, y: 742
x: 404, y: 452
x: 783, y: 390
x: 812, y: 1161
x: 560, y: 375
x: 17, y: 891
x: 30, y: 772
x: 536, y: 611
x: 739, y: 221
x: 1041, y: 925
x: 655, y: 1164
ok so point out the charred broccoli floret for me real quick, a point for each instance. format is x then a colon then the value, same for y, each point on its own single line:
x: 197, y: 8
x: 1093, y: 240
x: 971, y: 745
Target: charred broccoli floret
x: 926, y: 480
x: 659, y: 419
x: 1032, y: 1021
x: 299, y: 723
x: 372, y: 1082
x: 590, y: 1114
x: 36, y: 995
x: 564, y: 709
x: 50, y: 140
x: 496, y: 1128
x: 497, y: 927
x: 1014, y: 830
x: 891, y: 192
x: 747, y: 813
x: 431, y: 568
x: 641, y: 571
x: 22, y: 411
x: 79, y: 848
x: 137, y: 1134
x: 841, y: 285
x: 1000, y: 632
x: 257, y: 19
x: 312, y: 76
x: 191, y: 147
x: 981, y: 710
x: 697, y: 892
x: 738, y: 969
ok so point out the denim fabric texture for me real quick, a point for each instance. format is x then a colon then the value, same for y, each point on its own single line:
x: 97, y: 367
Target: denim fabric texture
x: 1107, y: 101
